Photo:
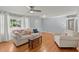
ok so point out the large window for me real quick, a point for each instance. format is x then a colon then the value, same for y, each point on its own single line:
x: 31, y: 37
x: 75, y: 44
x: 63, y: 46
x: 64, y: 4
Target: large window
x: 9, y: 22
x: 15, y: 23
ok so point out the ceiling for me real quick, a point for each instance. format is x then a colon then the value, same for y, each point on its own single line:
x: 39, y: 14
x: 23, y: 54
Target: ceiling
x: 58, y: 10
x: 48, y: 11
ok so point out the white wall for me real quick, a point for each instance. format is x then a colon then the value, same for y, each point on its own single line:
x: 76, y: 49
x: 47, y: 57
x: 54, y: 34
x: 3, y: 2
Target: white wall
x: 35, y: 22
x: 54, y: 24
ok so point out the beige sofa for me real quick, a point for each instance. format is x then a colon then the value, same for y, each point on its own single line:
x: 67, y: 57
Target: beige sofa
x: 21, y: 36
x: 67, y: 39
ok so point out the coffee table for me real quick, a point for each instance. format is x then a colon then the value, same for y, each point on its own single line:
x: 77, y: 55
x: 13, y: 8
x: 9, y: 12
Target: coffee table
x: 35, y: 42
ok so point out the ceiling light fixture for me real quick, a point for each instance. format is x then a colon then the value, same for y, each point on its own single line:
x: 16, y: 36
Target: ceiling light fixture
x: 31, y: 11
x: 44, y: 16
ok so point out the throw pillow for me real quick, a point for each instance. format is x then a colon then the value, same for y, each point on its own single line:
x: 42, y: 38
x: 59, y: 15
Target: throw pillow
x: 35, y: 31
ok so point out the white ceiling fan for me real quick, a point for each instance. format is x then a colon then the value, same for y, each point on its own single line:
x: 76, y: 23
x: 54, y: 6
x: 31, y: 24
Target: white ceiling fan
x: 32, y: 9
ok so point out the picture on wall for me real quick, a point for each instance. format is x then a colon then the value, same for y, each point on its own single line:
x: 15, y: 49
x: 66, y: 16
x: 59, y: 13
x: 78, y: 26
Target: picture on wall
x: 71, y: 24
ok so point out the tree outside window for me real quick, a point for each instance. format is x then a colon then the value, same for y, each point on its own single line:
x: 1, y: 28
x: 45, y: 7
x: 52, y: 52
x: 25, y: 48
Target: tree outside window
x: 15, y: 23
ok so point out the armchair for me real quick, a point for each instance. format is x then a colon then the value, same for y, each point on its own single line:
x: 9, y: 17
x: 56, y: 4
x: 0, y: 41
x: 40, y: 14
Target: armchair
x: 67, y: 39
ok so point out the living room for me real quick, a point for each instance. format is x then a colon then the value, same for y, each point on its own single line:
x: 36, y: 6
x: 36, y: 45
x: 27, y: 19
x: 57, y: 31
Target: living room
x: 42, y: 25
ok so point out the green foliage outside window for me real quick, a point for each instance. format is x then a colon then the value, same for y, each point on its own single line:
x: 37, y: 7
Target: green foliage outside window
x: 15, y: 23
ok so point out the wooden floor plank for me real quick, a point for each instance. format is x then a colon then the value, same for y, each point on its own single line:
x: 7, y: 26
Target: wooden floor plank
x: 48, y: 45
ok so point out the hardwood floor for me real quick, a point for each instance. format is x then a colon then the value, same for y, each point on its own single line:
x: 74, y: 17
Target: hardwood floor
x: 48, y: 45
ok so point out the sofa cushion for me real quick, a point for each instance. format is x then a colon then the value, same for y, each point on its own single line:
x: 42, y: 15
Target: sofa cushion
x: 28, y: 31
x: 15, y: 32
x: 69, y: 33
